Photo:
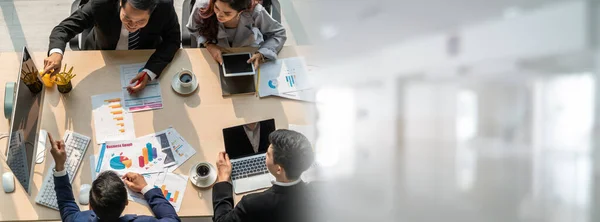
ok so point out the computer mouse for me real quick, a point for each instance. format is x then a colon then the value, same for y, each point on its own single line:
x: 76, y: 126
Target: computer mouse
x: 8, y: 182
x: 84, y: 194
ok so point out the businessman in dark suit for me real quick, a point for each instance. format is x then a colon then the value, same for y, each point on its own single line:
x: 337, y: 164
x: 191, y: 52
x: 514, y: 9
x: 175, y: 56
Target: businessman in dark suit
x: 248, y: 139
x: 121, y: 25
x: 288, y: 156
x: 108, y: 196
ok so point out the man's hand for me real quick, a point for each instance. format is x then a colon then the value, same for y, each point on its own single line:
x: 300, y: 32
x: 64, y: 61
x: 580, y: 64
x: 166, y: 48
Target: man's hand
x: 144, y: 79
x: 215, y: 52
x: 257, y: 59
x: 135, y: 181
x: 53, y: 62
x: 58, y: 153
x: 224, y: 167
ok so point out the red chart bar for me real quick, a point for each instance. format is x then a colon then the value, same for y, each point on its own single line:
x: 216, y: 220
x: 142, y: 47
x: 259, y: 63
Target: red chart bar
x: 142, y: 160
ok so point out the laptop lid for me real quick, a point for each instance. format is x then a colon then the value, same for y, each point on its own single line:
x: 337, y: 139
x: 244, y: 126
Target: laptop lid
x: 248, y: 139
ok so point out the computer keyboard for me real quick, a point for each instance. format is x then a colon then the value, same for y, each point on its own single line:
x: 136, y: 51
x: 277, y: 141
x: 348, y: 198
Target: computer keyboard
x: 248, y: 167
x: 75, y: 146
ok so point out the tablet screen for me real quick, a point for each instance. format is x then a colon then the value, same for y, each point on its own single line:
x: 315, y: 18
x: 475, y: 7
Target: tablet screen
x: 237, y: 63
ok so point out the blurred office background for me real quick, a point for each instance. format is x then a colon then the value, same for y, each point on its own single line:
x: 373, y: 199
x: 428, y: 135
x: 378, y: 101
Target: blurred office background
x: 433, y: 110
x: 459, y: 110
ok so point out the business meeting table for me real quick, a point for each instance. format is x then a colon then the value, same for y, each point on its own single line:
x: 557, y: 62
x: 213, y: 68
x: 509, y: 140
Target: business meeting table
x: 199, y: 118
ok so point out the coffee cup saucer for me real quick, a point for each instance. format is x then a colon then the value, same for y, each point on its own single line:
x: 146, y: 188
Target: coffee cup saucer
x: 207, y: 182
x: 176, y: 85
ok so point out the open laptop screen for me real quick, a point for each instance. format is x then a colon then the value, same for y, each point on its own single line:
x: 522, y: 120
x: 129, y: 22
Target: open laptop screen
x: 249, y: 139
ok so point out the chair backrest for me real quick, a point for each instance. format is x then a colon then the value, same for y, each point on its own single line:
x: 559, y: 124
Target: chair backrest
x: 74, y: 43
x: 187, y: 40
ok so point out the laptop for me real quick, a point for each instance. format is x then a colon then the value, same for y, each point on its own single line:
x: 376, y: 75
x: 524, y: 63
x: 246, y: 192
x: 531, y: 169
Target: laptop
x: 247, y: 147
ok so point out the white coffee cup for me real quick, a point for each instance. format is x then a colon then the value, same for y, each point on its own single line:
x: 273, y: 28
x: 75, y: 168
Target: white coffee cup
x: 185, y: 78
x: 203, y: 174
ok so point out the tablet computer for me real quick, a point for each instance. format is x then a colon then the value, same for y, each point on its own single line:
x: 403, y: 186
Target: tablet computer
x: 236, y: 64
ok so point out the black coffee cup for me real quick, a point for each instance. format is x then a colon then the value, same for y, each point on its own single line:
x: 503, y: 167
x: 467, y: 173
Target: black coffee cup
x: 185, y: 78
x: 203, y: 170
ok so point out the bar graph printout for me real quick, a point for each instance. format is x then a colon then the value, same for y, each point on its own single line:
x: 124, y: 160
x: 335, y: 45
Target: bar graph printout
x: 111, y: 121
x: 172, y: 186
x: 143, y: 155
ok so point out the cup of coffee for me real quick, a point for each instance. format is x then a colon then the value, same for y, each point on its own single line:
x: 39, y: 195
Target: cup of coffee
x: 203, y: 174
x: 185, y: 78
x: 202, y: 171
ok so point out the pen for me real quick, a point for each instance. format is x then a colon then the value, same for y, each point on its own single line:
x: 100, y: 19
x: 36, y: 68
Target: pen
x: 141, y: 79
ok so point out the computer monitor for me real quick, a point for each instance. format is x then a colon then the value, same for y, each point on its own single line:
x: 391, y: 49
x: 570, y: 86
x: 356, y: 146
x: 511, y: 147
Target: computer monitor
x: 24, y: 125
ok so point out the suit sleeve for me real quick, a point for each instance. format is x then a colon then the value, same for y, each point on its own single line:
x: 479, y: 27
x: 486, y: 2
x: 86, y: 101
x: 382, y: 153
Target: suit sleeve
x: 162, y: 209
x: 224, y: 211
x: 64, y: 196
x: 273, y: 33
x: 171, y: 41
x: 78, y: 21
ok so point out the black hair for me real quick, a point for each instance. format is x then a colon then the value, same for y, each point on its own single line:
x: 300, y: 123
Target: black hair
x: 238, y: 5
x: 146, y: 5
x: 292, y: 151
x: 207, y: 18
x: 108, y: 196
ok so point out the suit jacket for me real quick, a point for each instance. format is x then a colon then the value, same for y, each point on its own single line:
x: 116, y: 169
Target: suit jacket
x: 69, y: 211
x: 277, y: 204
x: 237, y: 142
x: 161, y: 33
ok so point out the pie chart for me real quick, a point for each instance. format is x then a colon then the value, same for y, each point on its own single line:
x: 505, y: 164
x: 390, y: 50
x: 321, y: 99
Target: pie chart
x: 273, y: 83
x: 120, y: 162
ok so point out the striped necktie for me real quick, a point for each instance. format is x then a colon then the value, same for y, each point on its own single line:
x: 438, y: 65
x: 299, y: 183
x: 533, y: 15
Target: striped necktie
x: 134, y: 39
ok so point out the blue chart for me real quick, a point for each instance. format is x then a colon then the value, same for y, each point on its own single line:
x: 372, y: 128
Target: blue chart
x: 273, y: 83
x: 291, y: 80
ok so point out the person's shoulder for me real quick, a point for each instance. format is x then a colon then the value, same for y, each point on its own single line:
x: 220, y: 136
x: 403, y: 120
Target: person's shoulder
x: 101, y: 4
x: 258, y: 8
x: 261, y: 197
x: 165, y: 3
x: 201, y: 3
x: 84, y: 215
x: 256, y: 203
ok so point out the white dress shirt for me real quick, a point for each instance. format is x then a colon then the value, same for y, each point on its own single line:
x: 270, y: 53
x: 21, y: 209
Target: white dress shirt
x: 286, y: 184
x: 122, y: 44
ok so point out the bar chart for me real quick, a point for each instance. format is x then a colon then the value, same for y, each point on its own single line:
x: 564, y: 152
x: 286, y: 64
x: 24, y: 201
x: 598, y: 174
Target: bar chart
x: 149, y: 154
x: 111, y: 121
x: 170, y: 196
x: 291, y: 80
x: 116, y: 110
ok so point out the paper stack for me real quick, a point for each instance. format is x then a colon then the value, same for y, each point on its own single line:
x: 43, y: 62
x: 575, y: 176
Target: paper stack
x: 288, y: 78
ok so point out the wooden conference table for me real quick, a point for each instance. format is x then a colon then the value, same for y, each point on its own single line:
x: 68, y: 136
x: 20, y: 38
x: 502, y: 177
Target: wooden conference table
x: 199, y: 118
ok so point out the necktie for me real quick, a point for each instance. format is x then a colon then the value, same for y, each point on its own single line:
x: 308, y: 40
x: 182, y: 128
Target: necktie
x: 134, y: 39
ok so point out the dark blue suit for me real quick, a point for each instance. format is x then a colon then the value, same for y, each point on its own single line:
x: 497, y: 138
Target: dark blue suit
x: 69, y: 211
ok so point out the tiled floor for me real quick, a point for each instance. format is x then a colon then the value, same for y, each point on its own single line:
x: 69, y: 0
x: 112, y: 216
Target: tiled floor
x: 29, y: 22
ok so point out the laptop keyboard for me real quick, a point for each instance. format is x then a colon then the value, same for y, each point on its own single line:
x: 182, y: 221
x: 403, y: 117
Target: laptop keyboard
x: 248, y: 167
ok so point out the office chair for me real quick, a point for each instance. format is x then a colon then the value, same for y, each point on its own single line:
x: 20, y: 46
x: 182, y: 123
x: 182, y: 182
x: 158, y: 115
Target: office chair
x: 77, y: 42
x: 188, y: 41
x: 273, y: 7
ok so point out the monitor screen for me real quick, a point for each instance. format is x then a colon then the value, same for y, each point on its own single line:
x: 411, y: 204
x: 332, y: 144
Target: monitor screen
x: 249, y: 139
x: 24, y: 126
